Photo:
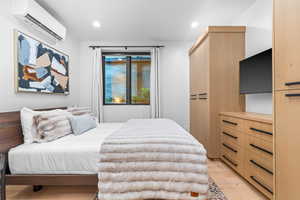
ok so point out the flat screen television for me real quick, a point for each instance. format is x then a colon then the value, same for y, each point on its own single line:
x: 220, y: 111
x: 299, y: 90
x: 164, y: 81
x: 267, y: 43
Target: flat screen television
x: 256, y: 73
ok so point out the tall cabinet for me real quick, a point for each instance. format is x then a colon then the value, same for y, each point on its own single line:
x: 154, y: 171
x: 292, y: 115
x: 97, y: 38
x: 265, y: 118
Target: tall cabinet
x: 286, y: 73
x: 214, y: 82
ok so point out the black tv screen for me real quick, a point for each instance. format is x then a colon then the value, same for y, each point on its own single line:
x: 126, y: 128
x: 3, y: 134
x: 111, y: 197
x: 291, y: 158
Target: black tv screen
x: 256, y: 73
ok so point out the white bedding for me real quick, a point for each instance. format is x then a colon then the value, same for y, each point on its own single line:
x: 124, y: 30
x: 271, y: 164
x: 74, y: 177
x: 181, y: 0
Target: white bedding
x: 68, y: 155
x: 152, y: 159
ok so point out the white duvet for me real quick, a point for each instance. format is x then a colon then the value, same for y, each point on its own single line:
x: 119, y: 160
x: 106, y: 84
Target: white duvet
x: 68, y: 155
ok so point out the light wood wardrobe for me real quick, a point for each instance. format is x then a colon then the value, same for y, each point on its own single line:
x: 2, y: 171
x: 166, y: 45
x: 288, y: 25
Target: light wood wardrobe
x: 214, y: 82
x: 286, y: 71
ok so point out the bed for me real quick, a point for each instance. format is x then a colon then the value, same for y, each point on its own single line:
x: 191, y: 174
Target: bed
x: 11, y: 137
x: 152, y: 159
x: 68, y: 155
x: 72, y: 160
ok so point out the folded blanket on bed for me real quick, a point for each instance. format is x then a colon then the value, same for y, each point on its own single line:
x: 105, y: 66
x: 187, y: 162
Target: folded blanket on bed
x: 152, y: 159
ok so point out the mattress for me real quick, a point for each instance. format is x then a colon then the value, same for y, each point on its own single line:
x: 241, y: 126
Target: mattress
x: 68, y: 155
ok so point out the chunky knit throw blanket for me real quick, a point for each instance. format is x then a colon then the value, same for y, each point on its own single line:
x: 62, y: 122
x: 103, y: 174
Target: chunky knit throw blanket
x: 152, y: 159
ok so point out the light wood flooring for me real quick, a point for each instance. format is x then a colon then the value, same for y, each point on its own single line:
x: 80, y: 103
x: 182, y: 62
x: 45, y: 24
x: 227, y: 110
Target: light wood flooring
x: 233, y: 186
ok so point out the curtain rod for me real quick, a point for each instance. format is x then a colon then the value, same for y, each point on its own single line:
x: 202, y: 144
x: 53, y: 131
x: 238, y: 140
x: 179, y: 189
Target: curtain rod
x: 94, y: 47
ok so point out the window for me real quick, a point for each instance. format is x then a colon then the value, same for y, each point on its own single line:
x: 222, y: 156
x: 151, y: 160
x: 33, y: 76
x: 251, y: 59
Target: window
x: 126, y: 78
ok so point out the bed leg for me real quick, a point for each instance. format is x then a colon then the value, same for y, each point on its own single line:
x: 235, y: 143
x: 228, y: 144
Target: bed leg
x: 37, y: 188
x: 3, y: 192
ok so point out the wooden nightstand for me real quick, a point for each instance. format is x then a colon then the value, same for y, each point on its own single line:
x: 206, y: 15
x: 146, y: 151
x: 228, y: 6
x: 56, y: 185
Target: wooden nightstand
x: 3, y: 161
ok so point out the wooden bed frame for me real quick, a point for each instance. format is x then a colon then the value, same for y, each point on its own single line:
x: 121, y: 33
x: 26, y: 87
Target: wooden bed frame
x: 11, y: 136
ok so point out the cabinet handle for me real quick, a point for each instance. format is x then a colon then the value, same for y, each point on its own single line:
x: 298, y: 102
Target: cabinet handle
x: 230, y: 148
x: 201, y: 98
x: 200, y: 94
x: 262, y: 185
x: 292, y: 95
x: 229, y: 135
x: 230, y: 161
x: 263, y: 168
x: 261, y: 149
x: 229, y: 122
x: 193, y: 95
x: 292, y: 83
x: 261, y: 131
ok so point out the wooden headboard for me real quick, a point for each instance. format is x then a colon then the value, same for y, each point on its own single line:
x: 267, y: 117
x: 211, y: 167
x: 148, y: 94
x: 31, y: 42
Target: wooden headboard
x: 10, y: 129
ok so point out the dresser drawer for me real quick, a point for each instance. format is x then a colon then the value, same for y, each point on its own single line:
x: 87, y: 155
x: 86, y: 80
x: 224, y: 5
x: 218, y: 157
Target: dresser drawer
x: 231, y: 136
x: 263, y: 165
x: 232, y: 162
x: 264, y: 178
x: 259, y: 171
x: 231, y: 122
x: 232, y: 156
x: 260, y: 185
x: 261, y: 130
x: 261, y: 147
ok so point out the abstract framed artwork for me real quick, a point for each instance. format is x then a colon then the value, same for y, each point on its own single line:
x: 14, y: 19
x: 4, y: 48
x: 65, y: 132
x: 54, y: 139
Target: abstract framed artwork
x: 39, y: 67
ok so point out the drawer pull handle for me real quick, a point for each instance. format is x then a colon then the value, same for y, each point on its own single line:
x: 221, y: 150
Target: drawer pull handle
x: 200, y: 94
x: 262, y: 185
x: 230, y: 135
x: 261, y: 149
x: 193, y: 99
x: 230, y: 148
x: 202, y: 98
x: 230, y: 161
x: 292, y: 95
x: 263, y: 168
x: 292, y: 83
x: 229, y: 122
x: 261, y: 131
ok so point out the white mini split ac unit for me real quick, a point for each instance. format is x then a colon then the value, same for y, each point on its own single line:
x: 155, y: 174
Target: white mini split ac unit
x: 32, y: 13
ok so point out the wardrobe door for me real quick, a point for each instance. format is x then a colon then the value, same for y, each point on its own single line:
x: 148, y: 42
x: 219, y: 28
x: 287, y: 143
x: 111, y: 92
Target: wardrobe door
x: 193, y: 114
x: 193, y: 68
x: 202, y: 123
x: 203, y: 68
x: 286, y: 44
x: 193, y: 93
x: 287, y: 144
x: 199, y: 77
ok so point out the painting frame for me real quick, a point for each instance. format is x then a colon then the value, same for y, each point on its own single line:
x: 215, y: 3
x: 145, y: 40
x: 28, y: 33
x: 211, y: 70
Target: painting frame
x: 52, y: 73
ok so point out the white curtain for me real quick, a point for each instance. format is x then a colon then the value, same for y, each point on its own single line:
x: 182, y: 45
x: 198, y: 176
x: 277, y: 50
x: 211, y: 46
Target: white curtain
x: 154, y: 84
x: 97, y: 87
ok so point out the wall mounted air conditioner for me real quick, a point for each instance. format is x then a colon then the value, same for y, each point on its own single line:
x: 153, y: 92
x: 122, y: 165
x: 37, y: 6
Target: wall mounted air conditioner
x: 33, y: 14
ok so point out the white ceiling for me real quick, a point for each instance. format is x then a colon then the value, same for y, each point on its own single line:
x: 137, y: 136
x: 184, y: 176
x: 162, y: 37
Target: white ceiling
x: 143, y: 20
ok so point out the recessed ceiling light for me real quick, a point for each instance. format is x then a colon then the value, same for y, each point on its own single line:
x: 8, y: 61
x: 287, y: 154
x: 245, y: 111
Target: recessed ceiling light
x: 96, y: 24
x: 194, y: 24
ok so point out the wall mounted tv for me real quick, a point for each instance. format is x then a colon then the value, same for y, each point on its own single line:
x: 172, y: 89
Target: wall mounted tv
x: 256, y: 73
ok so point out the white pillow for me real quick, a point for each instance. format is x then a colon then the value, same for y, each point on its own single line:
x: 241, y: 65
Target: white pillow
x: 29, y: 128
x: 51, y: 125
x: 28, y: 125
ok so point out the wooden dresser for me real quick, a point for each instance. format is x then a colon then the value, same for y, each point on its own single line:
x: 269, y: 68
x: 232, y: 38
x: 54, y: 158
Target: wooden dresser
x: 214, y: 82
x: 247, y: 147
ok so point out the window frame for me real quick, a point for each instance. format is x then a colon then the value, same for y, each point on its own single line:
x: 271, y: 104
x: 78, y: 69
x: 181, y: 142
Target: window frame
x: 128, y: 77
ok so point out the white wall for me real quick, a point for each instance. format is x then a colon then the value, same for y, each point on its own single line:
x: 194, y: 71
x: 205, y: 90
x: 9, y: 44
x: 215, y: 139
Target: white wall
x: 174, y: 83
x: 9, y: 100
x: 258, y: 19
